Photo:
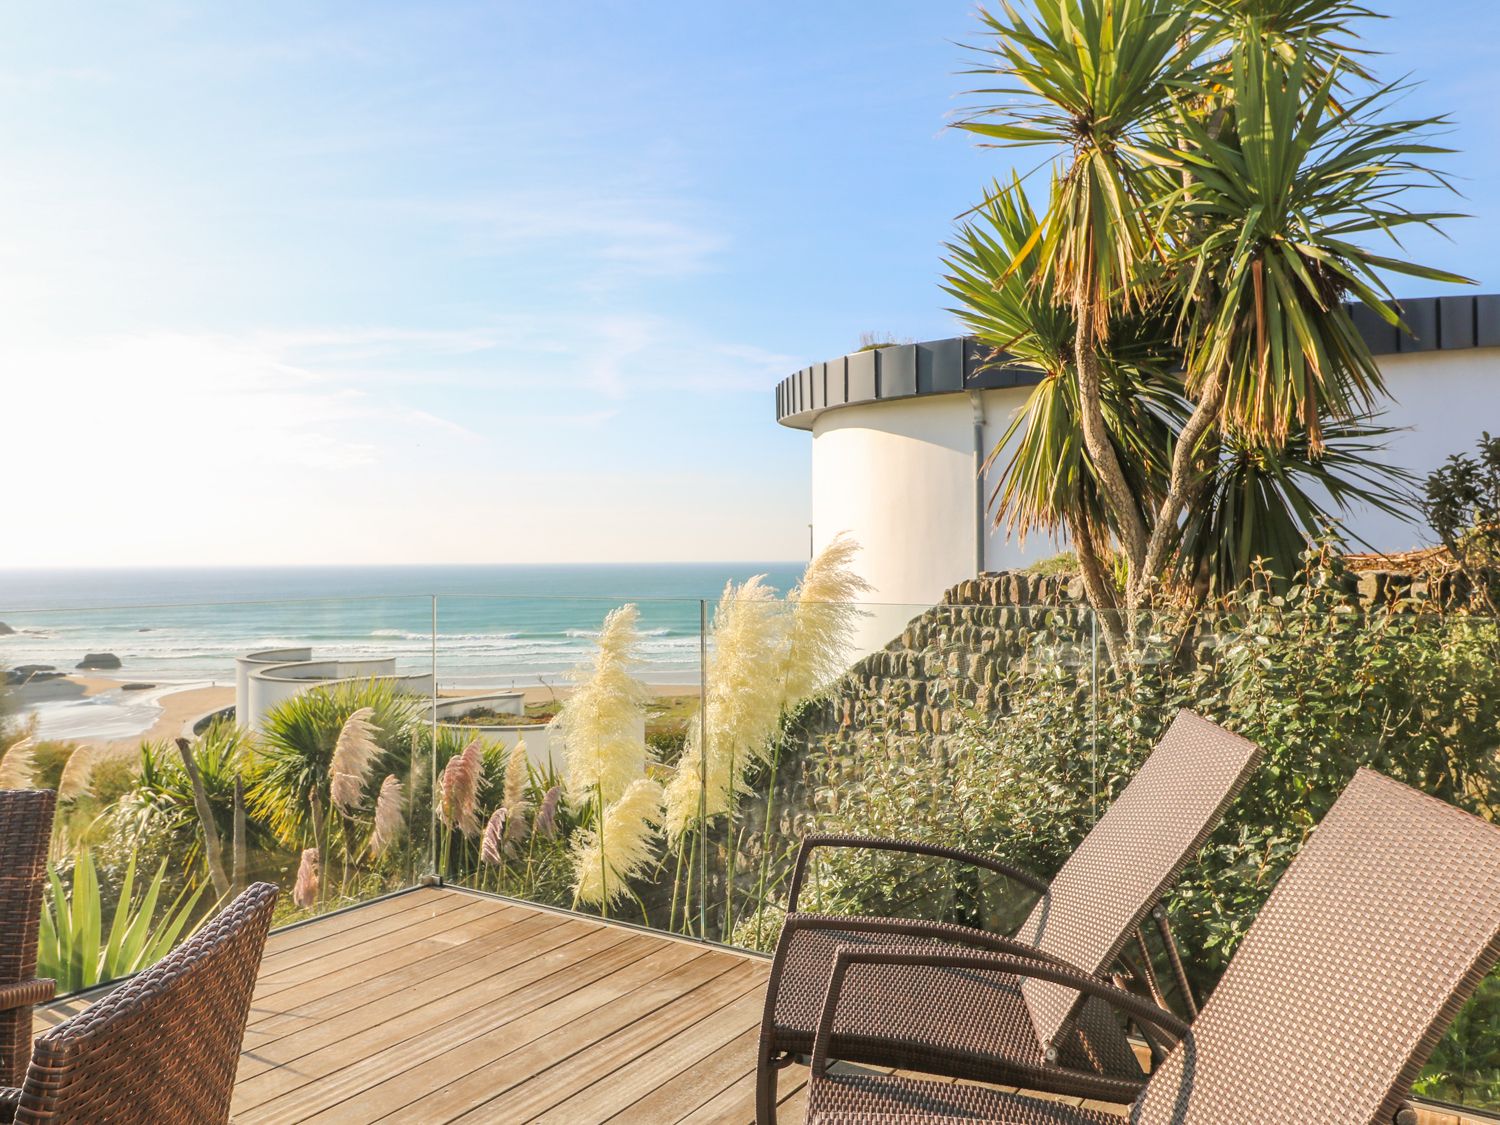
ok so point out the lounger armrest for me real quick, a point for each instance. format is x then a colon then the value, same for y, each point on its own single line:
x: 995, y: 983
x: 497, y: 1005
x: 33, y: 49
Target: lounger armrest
x: 1006, y: 963
x: 816, y: 840
x: 25, y: 993
x: 951, y: 932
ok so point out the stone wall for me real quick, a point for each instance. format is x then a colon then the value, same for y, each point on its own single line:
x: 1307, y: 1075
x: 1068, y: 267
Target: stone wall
x: 951, y: 659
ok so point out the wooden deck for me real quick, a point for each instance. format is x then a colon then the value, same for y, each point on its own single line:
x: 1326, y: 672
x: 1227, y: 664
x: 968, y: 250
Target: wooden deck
x: 440, y: 1005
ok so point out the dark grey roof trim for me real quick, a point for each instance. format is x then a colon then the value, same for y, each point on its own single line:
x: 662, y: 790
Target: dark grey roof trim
x: 958, y: 364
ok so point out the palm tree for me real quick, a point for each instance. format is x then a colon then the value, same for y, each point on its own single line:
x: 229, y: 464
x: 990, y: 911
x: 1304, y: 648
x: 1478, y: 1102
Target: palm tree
x: 289, y: 773
x: 1217, y: 175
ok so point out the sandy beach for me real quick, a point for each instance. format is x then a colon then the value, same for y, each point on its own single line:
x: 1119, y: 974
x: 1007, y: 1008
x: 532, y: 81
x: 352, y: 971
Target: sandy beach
x: 176, y: 709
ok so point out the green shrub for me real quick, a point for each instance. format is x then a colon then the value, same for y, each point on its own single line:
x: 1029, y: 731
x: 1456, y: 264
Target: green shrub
x: 1321, y: 684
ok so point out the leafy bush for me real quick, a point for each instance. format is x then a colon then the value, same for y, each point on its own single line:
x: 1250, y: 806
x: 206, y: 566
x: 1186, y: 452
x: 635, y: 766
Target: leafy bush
x: 1463, y: 507
x: 1322, y: 685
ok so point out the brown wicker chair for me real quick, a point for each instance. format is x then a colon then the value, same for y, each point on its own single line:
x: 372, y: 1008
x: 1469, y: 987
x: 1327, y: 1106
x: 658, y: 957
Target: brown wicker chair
x: 25, y: 834
x: 165, y: 1044
x: 1374, y: 938
x: 1094, y: 905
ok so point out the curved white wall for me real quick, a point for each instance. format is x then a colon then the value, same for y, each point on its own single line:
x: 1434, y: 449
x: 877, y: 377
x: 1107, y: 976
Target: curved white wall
x: 266, y: 685
x: 898, y: 474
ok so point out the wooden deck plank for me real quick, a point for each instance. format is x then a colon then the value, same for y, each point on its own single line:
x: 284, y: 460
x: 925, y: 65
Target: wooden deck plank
x: 345, y: 921
x: 492, y: 1039
x: 443, y: 1005
x: 278, y: 1036
x: 428, y: 962
x: 530, y: 1087
x: 683, y: 1052
x: 292, y: 966
x: 424, y: 1032
x: 684, y: 1093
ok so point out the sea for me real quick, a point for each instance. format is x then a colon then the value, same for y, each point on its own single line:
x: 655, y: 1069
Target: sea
x: 481, y: 626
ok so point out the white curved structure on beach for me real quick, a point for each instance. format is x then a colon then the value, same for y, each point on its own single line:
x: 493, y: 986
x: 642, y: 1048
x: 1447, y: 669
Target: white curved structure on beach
x: 265, y: 679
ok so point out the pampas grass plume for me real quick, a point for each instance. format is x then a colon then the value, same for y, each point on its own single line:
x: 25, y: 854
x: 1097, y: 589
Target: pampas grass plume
x: 76, y: 772
x: 459, y: 786
x: 389, y: 820
x: 603, y: 865
x: 18, y: 764
x: 603, y: 722
x: 823, y: 616
x: 516, y: 805
x: 545, y: 824
x: 353, y: 755
x: 490, y: 848
x: 743, y: 696
x: 305, y: 893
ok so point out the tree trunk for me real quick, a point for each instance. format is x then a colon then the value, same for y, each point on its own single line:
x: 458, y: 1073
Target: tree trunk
x: 211, y: 847
x: 1180, y: 487
x: 237, y: 847
x: 320, y: 841
x: 1096, y: 586
x: 1101, y: 450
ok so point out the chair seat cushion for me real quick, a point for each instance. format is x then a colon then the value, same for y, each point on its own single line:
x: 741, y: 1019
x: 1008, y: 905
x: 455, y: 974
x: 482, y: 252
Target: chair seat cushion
x: 861, y: 1098
x: 948, y: 1021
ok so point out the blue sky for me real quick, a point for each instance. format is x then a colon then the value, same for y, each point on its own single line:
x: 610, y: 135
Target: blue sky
x: 381, y: 282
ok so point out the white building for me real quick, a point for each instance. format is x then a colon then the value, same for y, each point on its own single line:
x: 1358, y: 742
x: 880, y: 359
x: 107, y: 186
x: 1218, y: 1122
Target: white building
x: 900, y: 434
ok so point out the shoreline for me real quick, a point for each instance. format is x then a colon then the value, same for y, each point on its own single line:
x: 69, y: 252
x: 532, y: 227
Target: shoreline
x: 177, y: 706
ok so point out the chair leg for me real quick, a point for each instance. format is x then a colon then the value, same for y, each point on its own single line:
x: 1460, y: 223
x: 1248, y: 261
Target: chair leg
x: 766, y: 1075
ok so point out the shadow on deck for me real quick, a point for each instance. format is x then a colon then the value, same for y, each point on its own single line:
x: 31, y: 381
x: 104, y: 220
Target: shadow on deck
x: 440, y: 1005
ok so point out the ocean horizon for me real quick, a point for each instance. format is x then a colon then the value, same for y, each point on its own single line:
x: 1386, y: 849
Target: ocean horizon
x: 497, y: 626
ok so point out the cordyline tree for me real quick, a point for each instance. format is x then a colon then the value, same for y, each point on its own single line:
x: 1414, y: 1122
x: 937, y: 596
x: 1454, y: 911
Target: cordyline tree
x: 1220, y: 169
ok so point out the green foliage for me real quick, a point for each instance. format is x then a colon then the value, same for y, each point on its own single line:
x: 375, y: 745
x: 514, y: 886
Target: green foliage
x: 1219, y: 172
x: 290, y: 768
x: 74, y: 947
x: 1266, y: 501
x: 157, y: 815
x: 50, y: 757
x: 110, y: 780
x: 1462, y: 505
x: 1322, y: 685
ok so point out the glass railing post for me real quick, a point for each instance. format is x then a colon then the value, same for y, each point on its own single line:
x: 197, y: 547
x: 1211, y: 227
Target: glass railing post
x: 703, y: 767
x: 432, y: 786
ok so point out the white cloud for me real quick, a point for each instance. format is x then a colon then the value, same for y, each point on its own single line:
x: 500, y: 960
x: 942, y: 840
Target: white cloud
x: 615, y: 238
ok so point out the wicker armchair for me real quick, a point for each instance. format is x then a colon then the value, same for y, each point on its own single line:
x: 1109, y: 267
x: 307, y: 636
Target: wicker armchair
x: 165, y: 1044
x: 1373, y: 939
x: 25, y: 833
x: 1023, y: 1027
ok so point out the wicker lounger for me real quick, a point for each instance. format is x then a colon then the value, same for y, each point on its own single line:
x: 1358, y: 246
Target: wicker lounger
x: 1374, y: 938
x: 25, y: 835
x: 162, y: 1046
x: 987, y: 1023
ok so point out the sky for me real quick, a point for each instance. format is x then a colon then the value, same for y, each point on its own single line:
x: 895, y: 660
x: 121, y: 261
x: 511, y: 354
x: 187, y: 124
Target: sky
x: 494, y: 282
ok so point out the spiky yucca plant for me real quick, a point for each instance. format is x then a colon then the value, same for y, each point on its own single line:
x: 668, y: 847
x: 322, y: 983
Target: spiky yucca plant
x: 159, y: 812
x: 74, y: 948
